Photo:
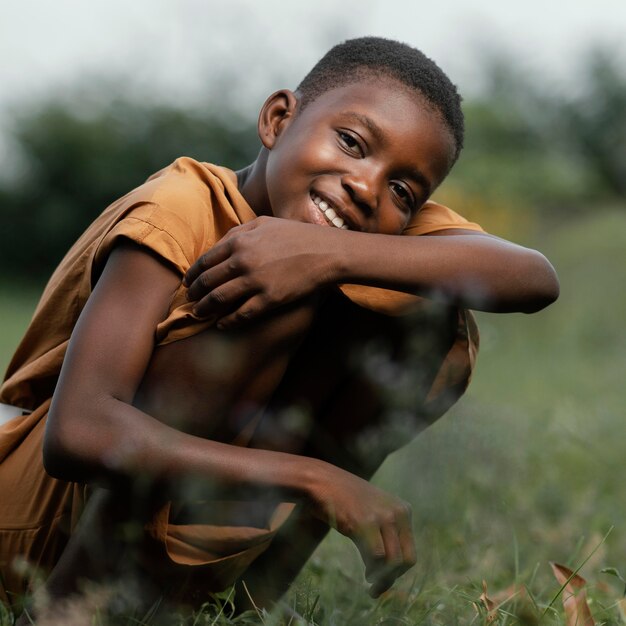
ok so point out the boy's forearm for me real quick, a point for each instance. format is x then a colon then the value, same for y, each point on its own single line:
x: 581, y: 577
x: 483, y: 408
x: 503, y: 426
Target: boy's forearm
x: 121, y: 442
x: 472, y: 270
x: 248, y: 274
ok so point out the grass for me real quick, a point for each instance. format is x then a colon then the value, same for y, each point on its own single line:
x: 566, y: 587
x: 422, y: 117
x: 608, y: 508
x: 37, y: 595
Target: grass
x: 526, y: 469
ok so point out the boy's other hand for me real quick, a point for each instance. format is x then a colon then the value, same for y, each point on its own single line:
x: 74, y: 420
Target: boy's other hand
x: 258, y: 266
x: 378, y: 522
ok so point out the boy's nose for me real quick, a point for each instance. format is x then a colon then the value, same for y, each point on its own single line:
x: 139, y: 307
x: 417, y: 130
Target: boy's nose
x: 362, y: 191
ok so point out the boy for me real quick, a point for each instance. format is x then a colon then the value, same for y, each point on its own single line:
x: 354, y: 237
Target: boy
x: 166, y: 403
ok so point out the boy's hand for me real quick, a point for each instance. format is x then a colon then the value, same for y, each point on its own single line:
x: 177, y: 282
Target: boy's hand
x: 379, y: 523
x: 259, y: 266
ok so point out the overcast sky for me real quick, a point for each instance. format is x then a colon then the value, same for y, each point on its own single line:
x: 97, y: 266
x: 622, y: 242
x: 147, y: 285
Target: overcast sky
x: 174, y: 49
x: 180, y: 51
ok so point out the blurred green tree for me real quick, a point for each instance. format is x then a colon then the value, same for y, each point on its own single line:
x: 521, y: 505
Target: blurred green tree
x: 532, y: 144
x: 595, y: 122
x: 78, y: 160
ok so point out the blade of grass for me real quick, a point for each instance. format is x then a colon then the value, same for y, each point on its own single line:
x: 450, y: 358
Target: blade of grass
x: 222, y: 605
x: 256, y: 608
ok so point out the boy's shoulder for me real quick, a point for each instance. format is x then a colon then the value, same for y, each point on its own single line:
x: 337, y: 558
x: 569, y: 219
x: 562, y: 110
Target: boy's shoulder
x: 185, y: 189
x: 187, y: 179
x: 178, y: 212
x: 195, y: 191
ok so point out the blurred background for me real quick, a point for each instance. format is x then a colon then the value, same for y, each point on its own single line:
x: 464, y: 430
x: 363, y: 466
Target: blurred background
x: 526, y: 468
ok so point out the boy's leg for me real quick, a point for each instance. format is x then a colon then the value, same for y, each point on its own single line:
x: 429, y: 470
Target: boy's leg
x: 269, y: 576
x: 341, y: 401
x: 98, y: 569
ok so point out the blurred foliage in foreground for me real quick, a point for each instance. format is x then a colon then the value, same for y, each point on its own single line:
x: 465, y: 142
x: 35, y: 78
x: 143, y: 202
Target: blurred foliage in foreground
x: 528, y: 148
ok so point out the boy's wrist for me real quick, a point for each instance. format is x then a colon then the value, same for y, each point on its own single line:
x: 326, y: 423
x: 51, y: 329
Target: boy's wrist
x: 310, y: 478
x: 338, y: 257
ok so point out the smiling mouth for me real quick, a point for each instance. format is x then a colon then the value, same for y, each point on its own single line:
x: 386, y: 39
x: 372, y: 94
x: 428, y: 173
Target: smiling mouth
x: 329, y: 212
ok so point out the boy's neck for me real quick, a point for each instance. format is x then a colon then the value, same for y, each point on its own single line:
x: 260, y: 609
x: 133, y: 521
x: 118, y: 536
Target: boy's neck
x: 251, y: 184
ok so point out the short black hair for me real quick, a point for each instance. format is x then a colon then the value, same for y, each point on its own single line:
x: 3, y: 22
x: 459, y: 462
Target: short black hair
x: 356, y: 59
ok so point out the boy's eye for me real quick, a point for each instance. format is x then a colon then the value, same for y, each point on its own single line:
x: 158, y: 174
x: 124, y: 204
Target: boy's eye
x: 350, y: 142
x: 403, y: 193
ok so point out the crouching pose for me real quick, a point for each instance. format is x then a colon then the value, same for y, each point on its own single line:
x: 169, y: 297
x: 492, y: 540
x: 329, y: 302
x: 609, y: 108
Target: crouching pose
x: 195, y: 399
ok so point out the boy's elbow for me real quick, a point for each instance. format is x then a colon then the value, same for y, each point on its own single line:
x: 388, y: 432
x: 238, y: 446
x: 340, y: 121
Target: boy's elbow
x: 55, y: 459
x: 64, y: 454
x: 543, y: 283
x: 57, y: 453
x: 79, y: 450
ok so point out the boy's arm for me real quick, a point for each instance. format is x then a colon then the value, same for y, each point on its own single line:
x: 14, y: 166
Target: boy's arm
x: 270, y: 261
x: 94, y: 432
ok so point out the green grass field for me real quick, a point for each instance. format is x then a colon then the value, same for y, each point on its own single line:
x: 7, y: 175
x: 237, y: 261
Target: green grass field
x: 525, y: 470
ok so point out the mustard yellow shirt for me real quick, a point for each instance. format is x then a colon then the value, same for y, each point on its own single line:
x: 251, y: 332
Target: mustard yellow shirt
x: 178, y: 213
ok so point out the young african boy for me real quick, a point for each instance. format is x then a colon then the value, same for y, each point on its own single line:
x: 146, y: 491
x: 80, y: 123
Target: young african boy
x: 369, y: 134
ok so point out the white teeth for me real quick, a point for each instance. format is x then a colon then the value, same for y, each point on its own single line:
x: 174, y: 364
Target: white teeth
x: 329, y: 213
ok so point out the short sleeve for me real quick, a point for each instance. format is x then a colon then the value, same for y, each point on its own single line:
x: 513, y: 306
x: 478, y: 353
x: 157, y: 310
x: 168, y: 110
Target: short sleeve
x: 178, y: 214
x: 154, y: 227
x: 431, y: 218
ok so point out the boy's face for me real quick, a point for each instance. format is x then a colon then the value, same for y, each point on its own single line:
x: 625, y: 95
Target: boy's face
x: 370, y: 151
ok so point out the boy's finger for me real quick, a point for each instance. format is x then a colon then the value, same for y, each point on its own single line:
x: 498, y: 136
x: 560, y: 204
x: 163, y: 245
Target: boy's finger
x: 218, y: 253
x: 385, y: 577
x: 250, y: 310
x: 407, y: 540
x: 393, y: 565
x: 409, y: 551
x: 223, y: 299
x: 400, y: 555
x: 206, y: 283
x: 381, y: 585
x: 372, y: 549
x: 391, y: 541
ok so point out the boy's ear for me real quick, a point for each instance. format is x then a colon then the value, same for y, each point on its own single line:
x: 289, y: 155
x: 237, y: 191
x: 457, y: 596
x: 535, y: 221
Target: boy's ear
x: 276, y: 114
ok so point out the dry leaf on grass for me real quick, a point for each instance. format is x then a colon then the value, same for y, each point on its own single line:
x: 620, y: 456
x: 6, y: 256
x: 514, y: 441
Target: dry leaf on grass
x: 494, y: 602
x: 489, y: 604
x: 574, y: 596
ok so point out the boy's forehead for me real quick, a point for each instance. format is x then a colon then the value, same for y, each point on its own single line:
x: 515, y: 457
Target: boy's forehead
x: 384, y: 105
x: 392, y: 114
